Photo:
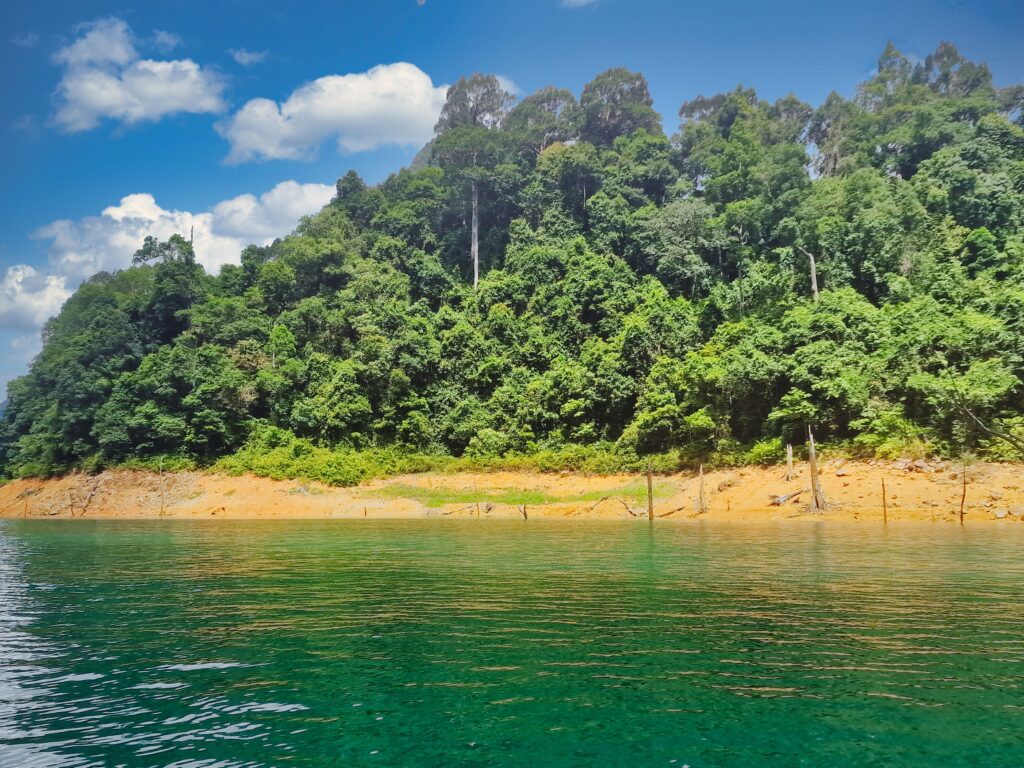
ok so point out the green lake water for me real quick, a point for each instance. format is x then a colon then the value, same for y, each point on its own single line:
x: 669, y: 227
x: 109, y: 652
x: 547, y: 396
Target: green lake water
x: 481, y: 643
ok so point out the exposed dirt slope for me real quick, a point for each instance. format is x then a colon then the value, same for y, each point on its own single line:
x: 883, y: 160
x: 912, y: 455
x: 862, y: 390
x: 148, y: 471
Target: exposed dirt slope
x: 916, y: 491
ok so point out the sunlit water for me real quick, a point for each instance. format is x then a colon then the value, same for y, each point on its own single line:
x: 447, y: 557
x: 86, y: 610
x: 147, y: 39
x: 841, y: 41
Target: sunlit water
x: 441, y: 643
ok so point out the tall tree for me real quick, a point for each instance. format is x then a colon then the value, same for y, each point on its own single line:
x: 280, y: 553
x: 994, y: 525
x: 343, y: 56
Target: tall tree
x: 616, y: 103
x: 543, y: 118
x: 473, y: 104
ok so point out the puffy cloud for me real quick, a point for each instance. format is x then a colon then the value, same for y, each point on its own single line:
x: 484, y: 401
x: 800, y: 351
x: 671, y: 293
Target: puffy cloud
x: 85, y: 246
x: 104, y: 41
x: 247, y: 58
x: 80, y: 248
x: 105, y: 78
x: 389, y: 104
x: 271, y: 214
x: 28, y: 298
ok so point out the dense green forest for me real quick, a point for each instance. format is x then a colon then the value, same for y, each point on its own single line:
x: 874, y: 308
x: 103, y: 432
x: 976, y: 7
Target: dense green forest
x: 641, y: 297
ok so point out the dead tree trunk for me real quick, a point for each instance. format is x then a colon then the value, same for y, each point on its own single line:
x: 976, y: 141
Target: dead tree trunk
x: 885, y: 506
x: 161, y: 465
x: 963, y: 494
x: 702, y: 504
x: 474, y: 247
x: 789, y: 462
x: 814, y: 273
x: 817, y: 497
x: 650, y: 494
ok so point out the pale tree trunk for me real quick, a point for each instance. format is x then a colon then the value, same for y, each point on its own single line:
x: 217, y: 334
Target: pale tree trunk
x: 474, y: 247
x: 817, y: 496
x: 814, y: 272
x: 814, y: 277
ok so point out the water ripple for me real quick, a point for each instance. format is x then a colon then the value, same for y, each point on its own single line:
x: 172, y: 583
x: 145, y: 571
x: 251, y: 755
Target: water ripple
x: 461, y: 643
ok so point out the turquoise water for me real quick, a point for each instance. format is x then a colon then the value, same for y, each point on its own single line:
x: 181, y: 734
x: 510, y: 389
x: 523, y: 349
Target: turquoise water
x: 473, y: 643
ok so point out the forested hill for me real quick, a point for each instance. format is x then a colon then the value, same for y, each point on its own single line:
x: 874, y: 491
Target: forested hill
x: 638, y: 293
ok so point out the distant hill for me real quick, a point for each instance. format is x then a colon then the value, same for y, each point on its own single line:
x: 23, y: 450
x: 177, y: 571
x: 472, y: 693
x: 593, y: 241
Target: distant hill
x: 564, y: 285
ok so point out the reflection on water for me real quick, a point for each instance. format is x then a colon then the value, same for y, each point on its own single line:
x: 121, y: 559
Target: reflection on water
x: 484, y: 642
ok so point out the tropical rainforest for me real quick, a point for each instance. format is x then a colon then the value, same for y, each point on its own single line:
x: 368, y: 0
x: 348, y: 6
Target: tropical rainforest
x: 559, y: 282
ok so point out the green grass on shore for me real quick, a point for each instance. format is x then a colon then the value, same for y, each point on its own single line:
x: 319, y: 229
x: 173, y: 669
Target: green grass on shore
x: 438, y: 497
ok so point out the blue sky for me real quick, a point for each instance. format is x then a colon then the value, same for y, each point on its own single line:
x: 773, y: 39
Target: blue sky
x: 234, y: 117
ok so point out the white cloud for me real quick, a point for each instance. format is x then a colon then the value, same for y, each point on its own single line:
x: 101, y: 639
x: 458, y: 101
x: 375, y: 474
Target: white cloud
x: 104, y: 41
x: 28, y: 298
x: 105, y: 78
x: 576, y: 3
x: 166, y: 41
x: 389, y: 104
x: 261, y: 219
x: 80, y: 248
x: 247, y: 58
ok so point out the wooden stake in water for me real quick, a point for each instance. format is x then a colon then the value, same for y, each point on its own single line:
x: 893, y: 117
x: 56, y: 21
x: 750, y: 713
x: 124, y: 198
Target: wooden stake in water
x: 817, y: 497
x: 885, y: 510
x: 963, y: 495
x: 702, y: 505
x: 650, y: 494
x: 789, y: 462
x: 161, y: 467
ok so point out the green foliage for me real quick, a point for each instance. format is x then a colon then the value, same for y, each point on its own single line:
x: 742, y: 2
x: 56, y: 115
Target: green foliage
x: 642, y: 299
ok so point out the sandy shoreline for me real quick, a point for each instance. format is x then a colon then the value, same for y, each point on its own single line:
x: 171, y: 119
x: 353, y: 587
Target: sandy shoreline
x: 915, y: 491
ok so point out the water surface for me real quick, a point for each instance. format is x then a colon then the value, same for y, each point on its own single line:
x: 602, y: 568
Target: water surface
x: 472, y: 643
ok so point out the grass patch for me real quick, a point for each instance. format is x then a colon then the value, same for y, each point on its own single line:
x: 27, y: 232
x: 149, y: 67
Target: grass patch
x: 439, y: 497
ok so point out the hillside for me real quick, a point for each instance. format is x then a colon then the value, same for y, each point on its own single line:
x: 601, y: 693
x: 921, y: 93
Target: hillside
x: 563, y: 285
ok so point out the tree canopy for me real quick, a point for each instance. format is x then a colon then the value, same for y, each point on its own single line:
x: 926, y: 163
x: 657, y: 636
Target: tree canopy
x: 639, y: 294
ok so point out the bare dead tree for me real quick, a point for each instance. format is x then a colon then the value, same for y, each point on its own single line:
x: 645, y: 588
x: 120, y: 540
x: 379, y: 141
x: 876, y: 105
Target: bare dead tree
x: 701, y: 501
x: 817, y: 496
x: 814, y: 272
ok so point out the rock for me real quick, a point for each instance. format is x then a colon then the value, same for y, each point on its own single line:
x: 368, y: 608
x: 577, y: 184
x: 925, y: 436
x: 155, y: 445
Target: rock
x: 1017, y: 510
x: 920, y: 465
x: 901, y: 464
x: 995, y: 495
x: 1000, y: 514
x: 842, y: 473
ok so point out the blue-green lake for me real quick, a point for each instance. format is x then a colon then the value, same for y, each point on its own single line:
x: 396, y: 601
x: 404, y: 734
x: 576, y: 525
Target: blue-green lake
x: 483, y: 643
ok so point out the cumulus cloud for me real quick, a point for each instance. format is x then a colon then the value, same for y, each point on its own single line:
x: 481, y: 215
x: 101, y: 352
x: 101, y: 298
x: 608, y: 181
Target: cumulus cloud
x: 261, y: 219
x: 28, y: 297
x: 247, y: 58
x: 105, y: 78
x: 79, y: 248
x: 389, y: 104
x: 82, y: 247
